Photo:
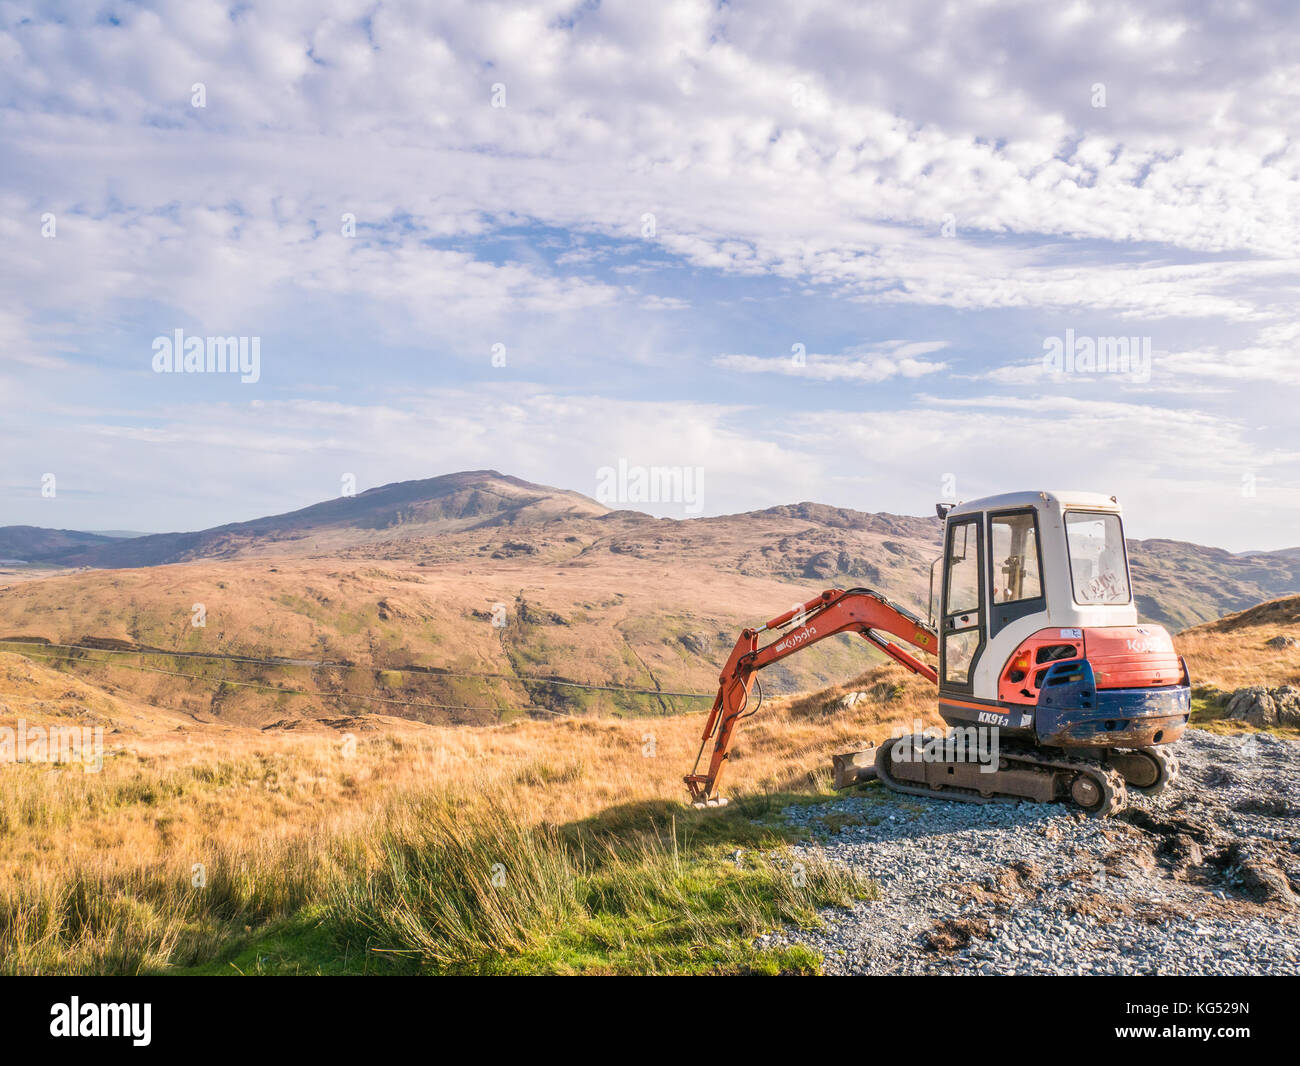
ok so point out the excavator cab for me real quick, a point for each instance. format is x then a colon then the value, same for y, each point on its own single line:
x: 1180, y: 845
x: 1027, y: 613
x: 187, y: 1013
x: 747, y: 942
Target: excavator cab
x: 1039, y: 628
x: 1038, y: 657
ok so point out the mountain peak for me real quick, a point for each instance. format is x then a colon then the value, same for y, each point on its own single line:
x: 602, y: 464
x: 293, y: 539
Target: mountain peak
x: 467, y: 499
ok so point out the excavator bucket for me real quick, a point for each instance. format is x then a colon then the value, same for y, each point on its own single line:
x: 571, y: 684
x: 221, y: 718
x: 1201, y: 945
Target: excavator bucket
x: 854, y: 767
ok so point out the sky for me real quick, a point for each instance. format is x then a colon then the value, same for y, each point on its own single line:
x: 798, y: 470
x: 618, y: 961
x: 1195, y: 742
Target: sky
x: 870, y: 255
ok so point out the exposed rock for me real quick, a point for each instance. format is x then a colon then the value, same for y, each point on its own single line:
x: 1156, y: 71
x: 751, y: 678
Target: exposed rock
x: 826, y: 564
x: 860, y: 568
x: 880, y: 692
x: 696, y: 643
x: 537, y: 616
x: 1282, y: 642
x: 1261, y: 706
x: 821, y: 565
x: 512, y: 548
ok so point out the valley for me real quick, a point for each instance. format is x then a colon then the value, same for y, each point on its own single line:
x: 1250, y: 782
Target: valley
x: 321, y: 732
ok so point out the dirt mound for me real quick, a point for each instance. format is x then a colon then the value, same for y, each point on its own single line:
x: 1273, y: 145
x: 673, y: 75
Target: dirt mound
x: 953, y: 934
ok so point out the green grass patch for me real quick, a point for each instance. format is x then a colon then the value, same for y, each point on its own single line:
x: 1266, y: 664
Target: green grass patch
x: 643, y: 889
x: 303, y: 946
x: 1206, y: 708
x: 443, y: 883
x: 630, y: 892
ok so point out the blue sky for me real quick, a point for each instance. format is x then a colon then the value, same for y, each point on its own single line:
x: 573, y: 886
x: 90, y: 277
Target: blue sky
x: 920, y: 195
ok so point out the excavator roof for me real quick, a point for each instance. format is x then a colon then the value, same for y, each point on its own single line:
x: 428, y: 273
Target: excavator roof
x: 1092, y: 501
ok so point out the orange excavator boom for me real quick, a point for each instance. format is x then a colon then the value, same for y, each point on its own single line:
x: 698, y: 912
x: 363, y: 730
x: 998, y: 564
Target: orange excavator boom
x: 859, y: 610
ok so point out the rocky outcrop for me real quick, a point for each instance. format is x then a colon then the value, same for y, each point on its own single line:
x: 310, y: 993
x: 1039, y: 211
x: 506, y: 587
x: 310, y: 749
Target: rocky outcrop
x: 1261, y: 706
x: 827, y: 564
x: 696, y: 643
x: 512, y: 549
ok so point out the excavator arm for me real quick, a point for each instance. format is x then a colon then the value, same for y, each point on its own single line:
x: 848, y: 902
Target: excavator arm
x: 861, y: 611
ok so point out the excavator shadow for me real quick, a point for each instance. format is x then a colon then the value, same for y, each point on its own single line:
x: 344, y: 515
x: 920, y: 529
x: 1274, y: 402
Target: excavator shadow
x: 752, y: 819
x: 747, y: 819
x: 882, y: 815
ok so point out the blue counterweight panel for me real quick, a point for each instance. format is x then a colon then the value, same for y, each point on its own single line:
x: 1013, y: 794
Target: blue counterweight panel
x: 1073, y: 712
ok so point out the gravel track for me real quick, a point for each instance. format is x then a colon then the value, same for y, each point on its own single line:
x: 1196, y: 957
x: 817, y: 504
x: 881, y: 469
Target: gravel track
x: 1203, y: 879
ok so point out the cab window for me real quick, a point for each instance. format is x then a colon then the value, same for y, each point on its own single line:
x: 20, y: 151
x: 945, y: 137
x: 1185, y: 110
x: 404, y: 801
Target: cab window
x: 963, y: 592
x: 962, y: 626
x: 1098, y: 562
x: 1015, y: 573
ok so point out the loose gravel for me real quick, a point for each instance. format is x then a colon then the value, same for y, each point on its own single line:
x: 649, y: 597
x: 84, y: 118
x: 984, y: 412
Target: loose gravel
x: 1202, y: 879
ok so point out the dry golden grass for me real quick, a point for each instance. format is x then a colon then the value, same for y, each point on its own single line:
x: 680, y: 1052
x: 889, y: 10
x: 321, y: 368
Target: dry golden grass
x: 1233, y: 652
x: 188, y: 792
x: 98, y: 870
x: 101, y: 871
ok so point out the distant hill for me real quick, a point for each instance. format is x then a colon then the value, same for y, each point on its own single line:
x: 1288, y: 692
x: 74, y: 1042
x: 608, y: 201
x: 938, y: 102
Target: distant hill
x: 457, y: 598
x: 34, y: 544
x: 452, y: 503
x: 488, y: 518
x: 1292, y: 554
x: 1181, y: 584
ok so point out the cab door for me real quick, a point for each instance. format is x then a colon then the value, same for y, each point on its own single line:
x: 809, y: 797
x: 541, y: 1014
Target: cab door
x: 1015, y: 569
x: 962, y: 623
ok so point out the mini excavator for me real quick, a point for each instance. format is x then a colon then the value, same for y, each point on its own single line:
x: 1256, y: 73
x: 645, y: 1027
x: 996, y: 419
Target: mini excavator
x: 1037, y: 644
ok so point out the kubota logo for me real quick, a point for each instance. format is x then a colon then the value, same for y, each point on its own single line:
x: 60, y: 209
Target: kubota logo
x: 795, y: 639
x: 1143, y: 646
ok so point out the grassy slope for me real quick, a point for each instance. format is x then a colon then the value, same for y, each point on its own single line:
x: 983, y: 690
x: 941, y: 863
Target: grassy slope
x: 1233, y: 653
x: 320, y: 857
x: 623, y: 625
x: 314, y: 859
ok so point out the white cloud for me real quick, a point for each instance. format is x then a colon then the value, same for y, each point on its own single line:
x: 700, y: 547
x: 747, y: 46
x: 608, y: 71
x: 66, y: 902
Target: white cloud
x: 1274, y: 359
x: 875, y: 363
x: 814, y: 152
x: 1175, y: 469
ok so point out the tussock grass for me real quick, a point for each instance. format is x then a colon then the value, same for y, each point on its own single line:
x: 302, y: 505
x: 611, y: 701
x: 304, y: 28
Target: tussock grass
x: 289, y: 852
x: 445, y: 884
x: 1233, y: 652
x: 537, y: 846
x: 504, y: 897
